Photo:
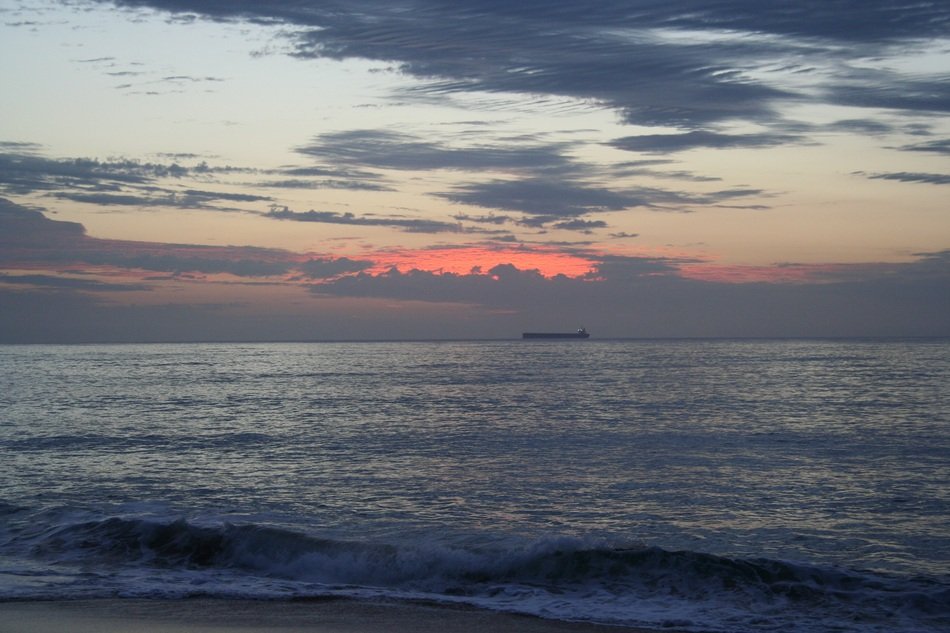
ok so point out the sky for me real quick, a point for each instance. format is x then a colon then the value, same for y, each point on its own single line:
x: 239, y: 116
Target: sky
x: 249, y: 170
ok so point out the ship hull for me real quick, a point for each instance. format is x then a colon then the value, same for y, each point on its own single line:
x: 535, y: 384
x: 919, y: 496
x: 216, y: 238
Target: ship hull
x: 555, y: 335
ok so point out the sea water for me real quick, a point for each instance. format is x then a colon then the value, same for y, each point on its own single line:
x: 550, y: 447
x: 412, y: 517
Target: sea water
x: 702, y: 485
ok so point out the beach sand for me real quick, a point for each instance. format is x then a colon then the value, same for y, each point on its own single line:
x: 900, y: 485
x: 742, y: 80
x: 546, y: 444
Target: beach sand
x: 204, y: 615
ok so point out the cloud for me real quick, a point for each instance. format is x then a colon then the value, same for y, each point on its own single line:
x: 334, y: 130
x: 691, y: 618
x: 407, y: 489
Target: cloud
x: 120, y: 182
x: 152, y: 82
x: 641, y: 296
x: 23, y: 227
x: 21, y: 147
x: 239, y: 261
x: 624, y: 268
x: 383, y: 149
x: 95, y: 60
x: 905, y: 176
x: 861, y: 126
x: 327, y: 177
x: 24, y: 171
x: 544, y: 198
x: 502, y: 286
x: 560, y: 51
x: 620, y: 296
x: 483, y: 219
x: 688, y: 64
x: 107, y: 199
x: 703, y: 71
x: 70, y: 283
x: 351, y: 185
x: 331, y: 217
x: 585, y: 226
x: 71, y: 316
x: 939, y: 146
x: 645, y: 168
x: 328, y: 267
x: 190, y: 79
x: 159, y: 197
x: 667, y: 143
x: 550, y: 199
x: 338, y: 173
x: 544, y: 182
x: 934, y: 265
x: 31, y: 239
x: 879, y: 22
x: 884, y: 89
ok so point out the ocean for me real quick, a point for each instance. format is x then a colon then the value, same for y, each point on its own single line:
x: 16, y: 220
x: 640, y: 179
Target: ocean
x: 701, y: 485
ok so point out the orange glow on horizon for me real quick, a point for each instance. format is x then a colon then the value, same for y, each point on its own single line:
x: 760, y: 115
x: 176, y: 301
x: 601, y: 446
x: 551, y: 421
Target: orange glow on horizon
x: 480, y: 259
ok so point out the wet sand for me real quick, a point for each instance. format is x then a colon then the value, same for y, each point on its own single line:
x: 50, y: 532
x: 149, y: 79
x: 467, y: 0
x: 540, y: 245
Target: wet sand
x: 204, y: 615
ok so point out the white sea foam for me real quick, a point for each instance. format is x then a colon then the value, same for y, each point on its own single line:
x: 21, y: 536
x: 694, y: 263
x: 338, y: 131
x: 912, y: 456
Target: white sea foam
x: 562, y: 578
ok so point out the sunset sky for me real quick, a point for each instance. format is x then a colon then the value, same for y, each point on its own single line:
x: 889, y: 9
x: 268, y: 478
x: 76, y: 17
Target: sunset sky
x: 177, y: 170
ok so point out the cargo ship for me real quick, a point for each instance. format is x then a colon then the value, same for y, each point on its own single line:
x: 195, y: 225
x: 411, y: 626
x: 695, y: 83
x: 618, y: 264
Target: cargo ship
x: 581, y: 333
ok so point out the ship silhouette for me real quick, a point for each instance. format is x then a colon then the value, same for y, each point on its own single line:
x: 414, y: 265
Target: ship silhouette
x: 580, y: 333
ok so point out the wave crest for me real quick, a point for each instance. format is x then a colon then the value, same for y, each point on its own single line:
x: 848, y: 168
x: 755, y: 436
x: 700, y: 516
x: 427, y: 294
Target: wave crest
x: 559, y: 577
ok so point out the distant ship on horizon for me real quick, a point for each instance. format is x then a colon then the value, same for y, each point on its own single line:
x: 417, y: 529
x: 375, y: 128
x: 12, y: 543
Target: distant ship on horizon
x: 580, y: 333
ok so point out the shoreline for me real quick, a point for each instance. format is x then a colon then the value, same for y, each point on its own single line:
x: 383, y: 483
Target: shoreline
x: 226, y: 615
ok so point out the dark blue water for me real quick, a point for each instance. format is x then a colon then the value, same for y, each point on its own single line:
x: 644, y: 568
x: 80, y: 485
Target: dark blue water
x: 708, y: 485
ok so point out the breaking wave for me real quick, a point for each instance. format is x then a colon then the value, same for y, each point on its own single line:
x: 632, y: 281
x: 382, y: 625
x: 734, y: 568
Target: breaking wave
x: 561, y: 578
